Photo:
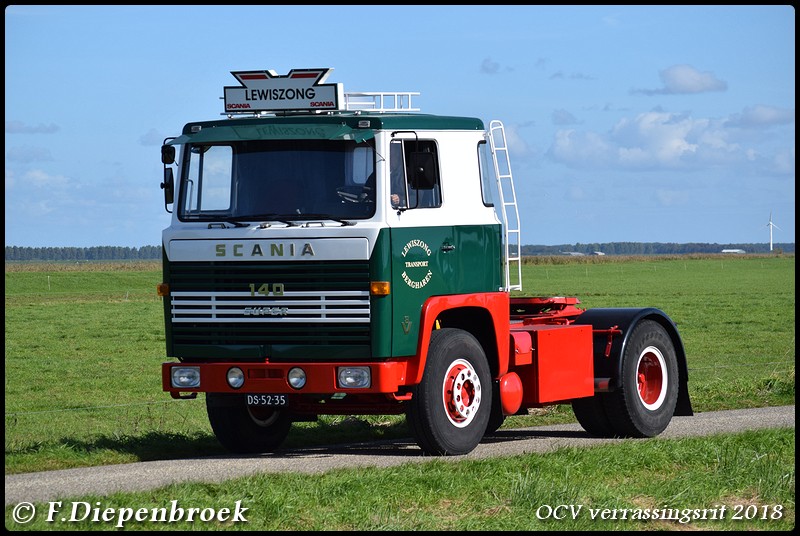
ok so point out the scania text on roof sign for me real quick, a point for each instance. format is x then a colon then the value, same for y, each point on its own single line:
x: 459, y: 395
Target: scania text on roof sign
x: 301, y: 89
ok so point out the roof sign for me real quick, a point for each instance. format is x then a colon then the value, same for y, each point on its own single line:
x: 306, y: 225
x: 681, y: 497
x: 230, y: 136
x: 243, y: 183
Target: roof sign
x: 266, y: 91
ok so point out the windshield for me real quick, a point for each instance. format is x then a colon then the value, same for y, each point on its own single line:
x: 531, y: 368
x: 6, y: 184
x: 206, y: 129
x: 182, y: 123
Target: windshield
x: 278, y: 180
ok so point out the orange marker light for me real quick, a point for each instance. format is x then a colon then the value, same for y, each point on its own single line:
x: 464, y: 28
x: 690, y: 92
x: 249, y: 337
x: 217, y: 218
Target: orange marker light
x: 379, y: 288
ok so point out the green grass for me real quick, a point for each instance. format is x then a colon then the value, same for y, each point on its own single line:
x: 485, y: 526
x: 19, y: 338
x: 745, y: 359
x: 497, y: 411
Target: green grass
x: 607, y: 487
x: 84, y: 349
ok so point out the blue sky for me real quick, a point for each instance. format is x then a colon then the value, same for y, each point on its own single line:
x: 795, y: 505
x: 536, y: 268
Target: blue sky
x: 625, y: 123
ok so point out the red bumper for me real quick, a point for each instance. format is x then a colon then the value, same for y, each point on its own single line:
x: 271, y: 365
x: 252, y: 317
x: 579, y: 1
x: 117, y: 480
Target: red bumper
x: 387, y: 377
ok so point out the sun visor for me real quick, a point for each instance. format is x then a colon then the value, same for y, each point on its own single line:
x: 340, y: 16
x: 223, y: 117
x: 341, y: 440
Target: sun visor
x: 291, y: 131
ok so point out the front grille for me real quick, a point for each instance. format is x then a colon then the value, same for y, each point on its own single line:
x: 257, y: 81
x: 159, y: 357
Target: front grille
x: 273, y: 303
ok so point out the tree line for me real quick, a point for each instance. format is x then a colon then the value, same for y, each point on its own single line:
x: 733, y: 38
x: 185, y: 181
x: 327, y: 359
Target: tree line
x: 119, y: 253
x: 652, y: 248
x: 75, y: 254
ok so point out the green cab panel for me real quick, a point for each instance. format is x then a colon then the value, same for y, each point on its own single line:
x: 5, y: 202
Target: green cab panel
x: 380, y: 269
x: 437, y: 261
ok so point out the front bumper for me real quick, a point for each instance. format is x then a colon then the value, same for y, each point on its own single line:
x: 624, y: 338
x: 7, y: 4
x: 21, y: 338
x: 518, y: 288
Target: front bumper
x: 387, y: 377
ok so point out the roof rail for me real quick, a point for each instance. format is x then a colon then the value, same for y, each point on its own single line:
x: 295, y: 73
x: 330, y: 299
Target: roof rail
x: 379, y: 101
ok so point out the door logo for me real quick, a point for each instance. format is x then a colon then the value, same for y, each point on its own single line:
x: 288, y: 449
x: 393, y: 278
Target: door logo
x: 417, y: 258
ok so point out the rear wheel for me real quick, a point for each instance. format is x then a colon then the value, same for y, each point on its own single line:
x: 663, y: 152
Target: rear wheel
x: 244, y: 429
x: 591, y: 415
x: 645, y: 403
x: 449, y: 410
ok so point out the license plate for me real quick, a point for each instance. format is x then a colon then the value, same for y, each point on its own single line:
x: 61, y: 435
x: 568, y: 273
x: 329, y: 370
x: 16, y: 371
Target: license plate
x: 267, y: 400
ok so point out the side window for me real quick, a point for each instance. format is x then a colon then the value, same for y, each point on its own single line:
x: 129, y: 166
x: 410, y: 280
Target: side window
x: 208, y: 181
x: 488, y: 179
x: 414, y: 174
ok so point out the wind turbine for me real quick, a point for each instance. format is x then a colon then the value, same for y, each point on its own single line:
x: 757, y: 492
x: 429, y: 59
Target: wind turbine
x: 771, y: 225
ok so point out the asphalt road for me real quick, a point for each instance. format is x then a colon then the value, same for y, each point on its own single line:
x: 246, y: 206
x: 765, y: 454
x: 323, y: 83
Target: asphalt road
x: 52, y: 485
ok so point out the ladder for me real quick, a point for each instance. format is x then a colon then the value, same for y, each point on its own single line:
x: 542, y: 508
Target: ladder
x: 508, y: 204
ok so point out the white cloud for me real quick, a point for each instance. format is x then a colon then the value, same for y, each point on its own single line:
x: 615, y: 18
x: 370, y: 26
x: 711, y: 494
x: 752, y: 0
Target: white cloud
x: 762, y: 116
x: 651, y: 140
x: 581, y: 149
x: 27, y: 154
x: 151, y: 138
x: 516, y: 143
x: 41, y: 179
x: 559, y: 75
x: 489, y: 66
x: 687, y: 79
x: 683, y: 79
x: 563, y: 117
x: 18, y: 127
x: 660, y: 137
x: 784, y: 162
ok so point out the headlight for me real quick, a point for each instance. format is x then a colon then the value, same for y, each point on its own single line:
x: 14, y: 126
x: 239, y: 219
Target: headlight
x: 186, y: 377
x: 297, y: 378
x: 354, y: 377
x: 235, y: 377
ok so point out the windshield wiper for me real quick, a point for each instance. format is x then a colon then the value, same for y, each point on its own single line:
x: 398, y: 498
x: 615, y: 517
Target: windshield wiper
x: 235, y: 223
x: 288, y: 219
x: 344, y: 223
x: 274, y: 216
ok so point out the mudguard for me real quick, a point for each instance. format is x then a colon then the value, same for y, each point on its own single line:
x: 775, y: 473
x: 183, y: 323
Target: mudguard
x: 608, y: 360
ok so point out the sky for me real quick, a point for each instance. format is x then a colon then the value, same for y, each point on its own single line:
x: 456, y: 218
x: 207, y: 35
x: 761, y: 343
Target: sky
x: 624, y: 123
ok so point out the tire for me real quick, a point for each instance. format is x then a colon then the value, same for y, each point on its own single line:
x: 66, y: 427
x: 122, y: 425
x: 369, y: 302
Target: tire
x: 496, y: 417
x: 450, y: 408
x: 591, y: 415
x: 246, y: 430
x: 645, y: 403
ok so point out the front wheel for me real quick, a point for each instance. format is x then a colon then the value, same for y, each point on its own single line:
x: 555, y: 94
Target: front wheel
x: 450, y: 408
x: 243, y: 429
x: 645, y: 403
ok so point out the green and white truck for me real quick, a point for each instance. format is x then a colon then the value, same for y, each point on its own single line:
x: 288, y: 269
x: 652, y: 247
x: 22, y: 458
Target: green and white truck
x: 335, y: 253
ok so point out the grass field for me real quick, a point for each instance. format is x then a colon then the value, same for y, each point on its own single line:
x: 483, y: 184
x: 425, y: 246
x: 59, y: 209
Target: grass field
x: 732, y: 482
x: 84, y: 346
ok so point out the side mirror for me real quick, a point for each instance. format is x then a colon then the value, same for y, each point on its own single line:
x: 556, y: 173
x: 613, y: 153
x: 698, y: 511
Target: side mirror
x: 422, y: 174
x: 167, y: 154
x: 168, y: 186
